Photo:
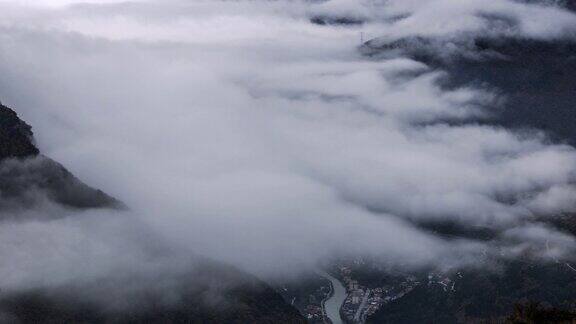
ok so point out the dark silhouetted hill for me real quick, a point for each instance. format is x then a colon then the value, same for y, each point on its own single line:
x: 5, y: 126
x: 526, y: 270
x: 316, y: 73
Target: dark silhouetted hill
x: 208, y: 292
x: 536, y: 80
x: 28, y: 178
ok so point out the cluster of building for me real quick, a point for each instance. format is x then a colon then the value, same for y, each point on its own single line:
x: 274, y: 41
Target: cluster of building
x: 308, y: 298
x: 363, y: 302
x: 314, y: 313
x: 445, y: 282
x: 360, y: 299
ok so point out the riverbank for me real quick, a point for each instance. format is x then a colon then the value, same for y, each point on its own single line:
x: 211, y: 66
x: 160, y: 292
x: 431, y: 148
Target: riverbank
x: 327, y: 319
x: 331, y: 306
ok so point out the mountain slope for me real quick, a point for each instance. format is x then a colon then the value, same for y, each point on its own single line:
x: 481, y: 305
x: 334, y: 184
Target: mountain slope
x: 208, y: 293
x: 27, y: 178
x: 479, y: 295
x: 536, y: 83
x: 201, y: 291
x: 535, y: 79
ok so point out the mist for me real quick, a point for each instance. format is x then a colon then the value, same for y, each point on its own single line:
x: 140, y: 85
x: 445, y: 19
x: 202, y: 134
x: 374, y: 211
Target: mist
x: 242, y: 132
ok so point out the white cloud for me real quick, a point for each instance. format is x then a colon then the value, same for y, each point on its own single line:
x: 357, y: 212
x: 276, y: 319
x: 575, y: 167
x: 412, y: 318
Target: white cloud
x: 242, y: 131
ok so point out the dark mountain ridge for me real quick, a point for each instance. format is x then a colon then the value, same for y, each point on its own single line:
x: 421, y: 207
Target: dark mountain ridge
x: 536, y: 80
x: 209, y: 292
x: 203, y: 292
x: 15, y: 136
x: 28, y: 178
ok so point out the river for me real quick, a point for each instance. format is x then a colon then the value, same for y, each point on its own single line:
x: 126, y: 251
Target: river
x: 333, y: 304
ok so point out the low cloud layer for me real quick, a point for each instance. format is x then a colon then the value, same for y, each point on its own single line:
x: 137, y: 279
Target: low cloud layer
x: 243, y: 132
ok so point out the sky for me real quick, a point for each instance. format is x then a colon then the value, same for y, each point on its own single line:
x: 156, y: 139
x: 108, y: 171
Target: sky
x: 240, y: 131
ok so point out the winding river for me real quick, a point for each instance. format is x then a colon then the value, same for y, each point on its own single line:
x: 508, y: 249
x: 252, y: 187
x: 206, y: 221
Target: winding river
x: 333, y: 304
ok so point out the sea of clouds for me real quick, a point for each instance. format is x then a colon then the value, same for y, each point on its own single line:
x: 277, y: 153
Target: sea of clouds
x: 240, y: 131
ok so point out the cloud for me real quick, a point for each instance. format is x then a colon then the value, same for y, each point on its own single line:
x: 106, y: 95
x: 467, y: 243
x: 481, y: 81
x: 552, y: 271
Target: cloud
x: 403, y: 18
x: 243, y: 132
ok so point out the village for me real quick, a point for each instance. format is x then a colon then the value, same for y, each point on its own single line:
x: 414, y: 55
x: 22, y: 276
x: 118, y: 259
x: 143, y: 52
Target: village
x: 362, y: 297
x: 361, y: 301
